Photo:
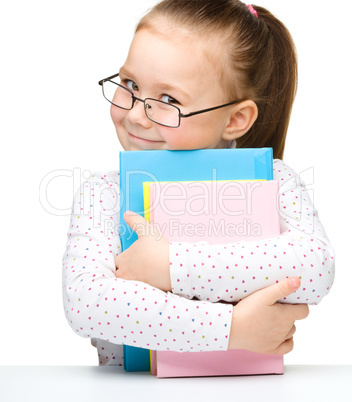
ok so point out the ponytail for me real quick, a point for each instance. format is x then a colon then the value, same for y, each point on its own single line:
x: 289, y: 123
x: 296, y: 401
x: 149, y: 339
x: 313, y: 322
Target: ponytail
x: 275, y: 100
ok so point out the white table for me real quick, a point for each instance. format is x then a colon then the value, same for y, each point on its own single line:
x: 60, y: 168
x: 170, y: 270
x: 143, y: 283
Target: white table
x: 104, y: 384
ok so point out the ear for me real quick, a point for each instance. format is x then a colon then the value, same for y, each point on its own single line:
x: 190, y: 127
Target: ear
x: 241, y: 119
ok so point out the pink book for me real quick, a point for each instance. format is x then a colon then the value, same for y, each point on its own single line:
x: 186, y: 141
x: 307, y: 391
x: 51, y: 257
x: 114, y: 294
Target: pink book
x: 216, y: 212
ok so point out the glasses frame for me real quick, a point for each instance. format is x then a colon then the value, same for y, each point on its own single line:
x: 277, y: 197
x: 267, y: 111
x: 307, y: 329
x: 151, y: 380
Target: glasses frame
x: 180, y: 115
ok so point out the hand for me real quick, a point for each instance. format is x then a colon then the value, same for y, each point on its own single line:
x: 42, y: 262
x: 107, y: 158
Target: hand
x: 147, y: 259
x: 261, y: 325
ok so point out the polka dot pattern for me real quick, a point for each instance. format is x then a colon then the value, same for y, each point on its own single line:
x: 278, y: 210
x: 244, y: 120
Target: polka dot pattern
x: 230, y: 272
x: 112, y: 312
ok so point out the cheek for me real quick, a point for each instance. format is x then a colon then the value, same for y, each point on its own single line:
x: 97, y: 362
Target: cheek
x: 176, y: 138
x: 199, y: 132
x: 117, y: 115
x: 181, y: 138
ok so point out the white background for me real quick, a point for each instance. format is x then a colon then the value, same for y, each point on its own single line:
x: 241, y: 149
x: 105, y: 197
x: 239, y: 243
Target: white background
x: 54, y: 118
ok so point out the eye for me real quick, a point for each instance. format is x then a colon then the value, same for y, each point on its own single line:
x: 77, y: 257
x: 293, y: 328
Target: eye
x: 132, y: 85
x: 169, y: 99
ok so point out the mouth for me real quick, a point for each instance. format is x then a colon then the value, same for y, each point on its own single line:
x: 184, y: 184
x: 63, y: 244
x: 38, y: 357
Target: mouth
x: 143, y: 139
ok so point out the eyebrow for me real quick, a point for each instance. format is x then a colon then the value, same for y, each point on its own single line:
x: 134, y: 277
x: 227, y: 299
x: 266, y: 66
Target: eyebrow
x: 161, y: 85
x: 123, y: 70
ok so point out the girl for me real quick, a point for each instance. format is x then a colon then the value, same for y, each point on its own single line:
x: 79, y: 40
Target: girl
x: 195, y: 55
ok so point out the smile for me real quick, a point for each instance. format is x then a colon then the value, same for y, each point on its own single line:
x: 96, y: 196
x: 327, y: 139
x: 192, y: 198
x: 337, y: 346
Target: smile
x: 142, y: 139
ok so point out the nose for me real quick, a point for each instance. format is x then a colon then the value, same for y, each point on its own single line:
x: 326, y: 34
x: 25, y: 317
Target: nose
x: 137, y: 115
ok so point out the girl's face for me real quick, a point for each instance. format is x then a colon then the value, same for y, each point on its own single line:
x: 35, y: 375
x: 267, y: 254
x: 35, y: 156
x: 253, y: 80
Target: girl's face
x: 177, y: 71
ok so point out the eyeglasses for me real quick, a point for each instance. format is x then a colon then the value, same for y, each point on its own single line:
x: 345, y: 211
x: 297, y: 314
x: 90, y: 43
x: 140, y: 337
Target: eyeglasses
x: 159, y: 112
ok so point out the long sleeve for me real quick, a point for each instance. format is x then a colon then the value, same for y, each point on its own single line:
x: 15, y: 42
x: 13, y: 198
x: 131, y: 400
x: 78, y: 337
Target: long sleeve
x: 231, y: 272
x: 100, y: 306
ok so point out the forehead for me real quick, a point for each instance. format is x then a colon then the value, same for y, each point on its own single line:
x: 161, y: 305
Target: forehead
x: 175, y: 53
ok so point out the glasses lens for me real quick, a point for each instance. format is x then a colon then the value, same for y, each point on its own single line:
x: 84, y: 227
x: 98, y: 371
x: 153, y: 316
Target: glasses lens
x: 162, y: 113
x: 117, y: 94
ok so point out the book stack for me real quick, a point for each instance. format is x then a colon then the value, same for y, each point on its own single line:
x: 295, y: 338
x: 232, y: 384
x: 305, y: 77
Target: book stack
x: 218, y: 196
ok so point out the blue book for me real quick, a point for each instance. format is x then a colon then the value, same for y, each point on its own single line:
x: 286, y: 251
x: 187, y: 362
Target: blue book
x: 136, y: 359
x: 137, y: 167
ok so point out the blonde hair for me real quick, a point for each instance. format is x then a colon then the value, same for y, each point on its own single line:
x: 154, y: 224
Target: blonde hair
x: 260, y: 60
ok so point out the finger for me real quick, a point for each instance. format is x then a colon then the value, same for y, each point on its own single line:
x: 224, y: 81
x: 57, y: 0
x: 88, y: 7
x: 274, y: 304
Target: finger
x: 117, y: 266
x: 284, y: 348
x: 291, y: 332
x: 301, y: 311
x: 279, y: 290
x: 141, y: 226
x: 136, y: 222
x: 296, y: 311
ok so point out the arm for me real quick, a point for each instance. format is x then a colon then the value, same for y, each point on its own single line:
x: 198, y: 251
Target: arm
x: 259, y: 324
x: 99, y: 305
x: 231, y: 272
